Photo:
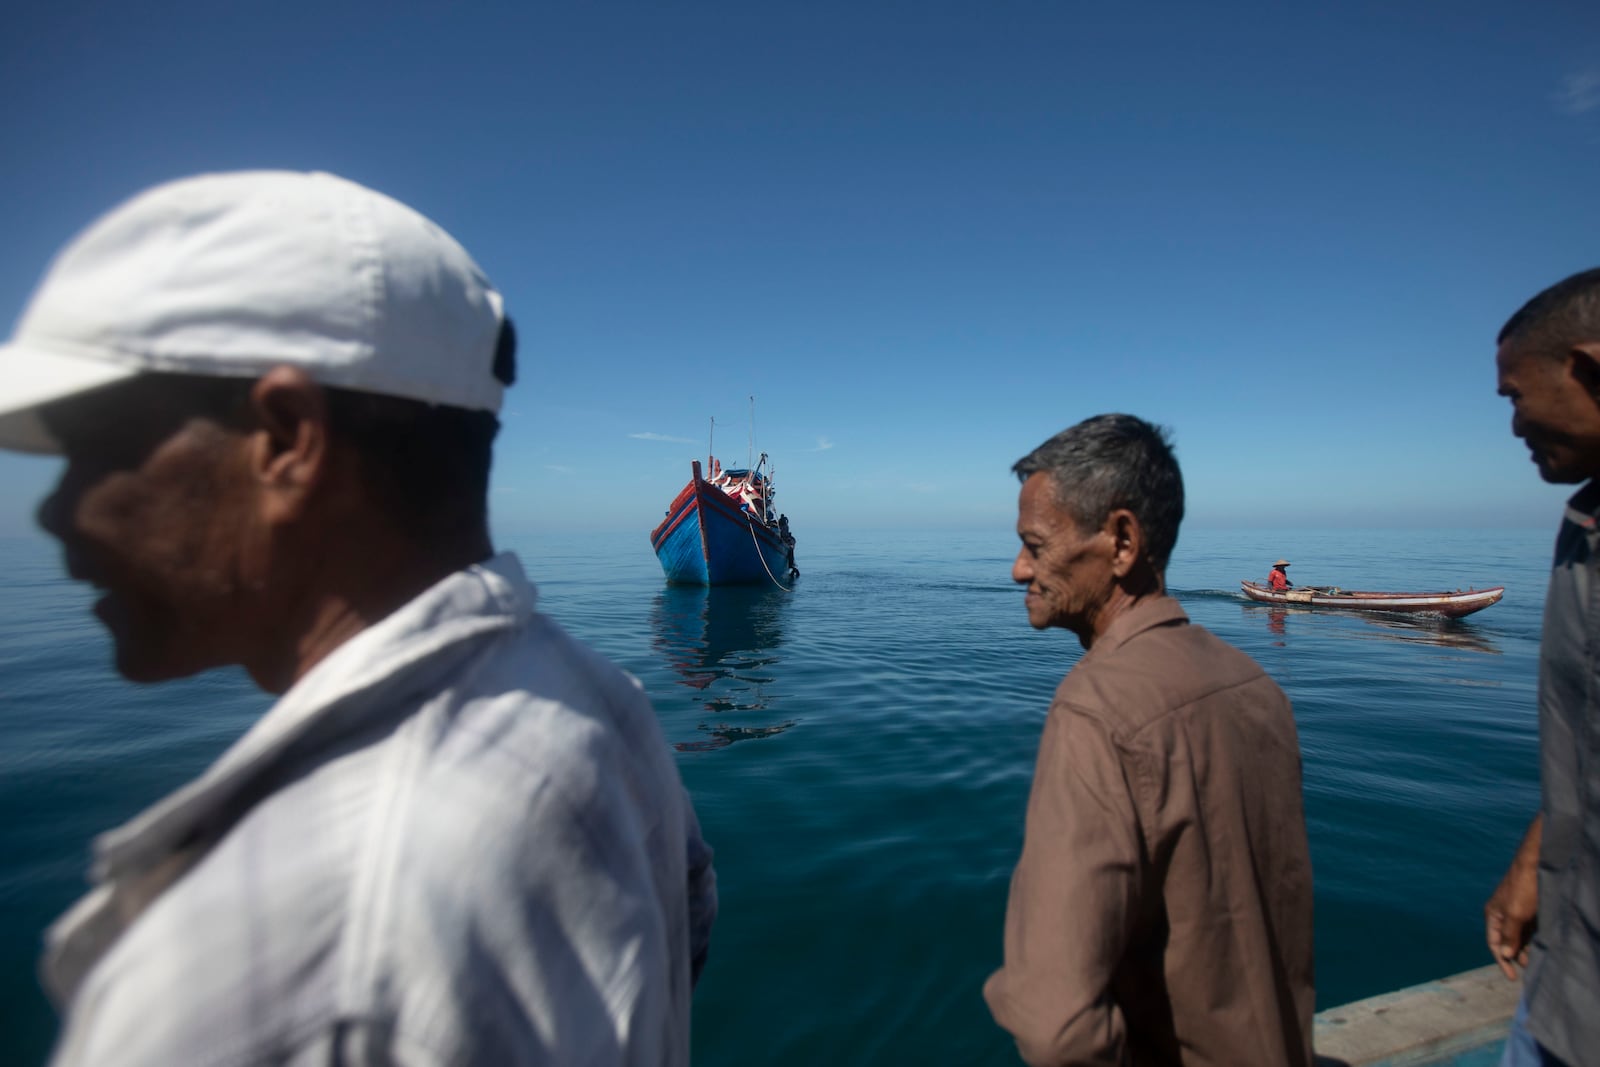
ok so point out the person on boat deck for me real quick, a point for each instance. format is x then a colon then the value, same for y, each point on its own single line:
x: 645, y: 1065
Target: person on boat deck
x: 1545, y: 913
x: 788, y: 545
x: 459, y: 835
x: 1278, y: 579
x: 1160, y: 912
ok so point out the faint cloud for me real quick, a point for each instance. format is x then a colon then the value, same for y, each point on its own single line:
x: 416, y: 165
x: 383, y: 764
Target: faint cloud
x: 1580, y: 92
x: 823, y: 444
x: 559, y: 468
x: 647, y: 436
x: 921, y: 487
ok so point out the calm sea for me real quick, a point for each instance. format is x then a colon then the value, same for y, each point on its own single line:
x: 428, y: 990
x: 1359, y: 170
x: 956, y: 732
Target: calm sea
x: 859, y: 751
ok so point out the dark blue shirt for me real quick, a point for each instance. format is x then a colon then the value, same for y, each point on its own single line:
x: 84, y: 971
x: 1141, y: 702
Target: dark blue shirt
x: 1564, y: 982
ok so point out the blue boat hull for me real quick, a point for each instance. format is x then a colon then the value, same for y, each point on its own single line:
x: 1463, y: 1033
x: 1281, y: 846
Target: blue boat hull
x: 706, y: 539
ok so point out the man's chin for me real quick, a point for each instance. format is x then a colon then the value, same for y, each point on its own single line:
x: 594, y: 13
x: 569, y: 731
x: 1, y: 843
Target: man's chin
x: 1567, y: 462
x: 135, y: 655
x: 138, y: 665
x: 1046, y: 620
x: 1559, y: 475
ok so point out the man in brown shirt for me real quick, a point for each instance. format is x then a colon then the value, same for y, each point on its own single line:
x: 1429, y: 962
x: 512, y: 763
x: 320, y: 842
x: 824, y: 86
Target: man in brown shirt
x: 1161, y: 910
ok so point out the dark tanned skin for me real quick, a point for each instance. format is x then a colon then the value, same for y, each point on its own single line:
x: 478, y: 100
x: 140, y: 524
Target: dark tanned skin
x: 1077, y: 580
x: 218, y: 544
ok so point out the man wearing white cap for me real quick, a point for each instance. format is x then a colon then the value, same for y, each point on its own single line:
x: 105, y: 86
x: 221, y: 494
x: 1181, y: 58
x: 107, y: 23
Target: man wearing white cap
x: 458, y: 836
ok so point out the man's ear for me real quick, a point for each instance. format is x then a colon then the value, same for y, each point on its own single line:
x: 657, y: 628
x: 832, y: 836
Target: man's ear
x: 1585, y: 365
x: 1127, y: 540
x: 288, y: 452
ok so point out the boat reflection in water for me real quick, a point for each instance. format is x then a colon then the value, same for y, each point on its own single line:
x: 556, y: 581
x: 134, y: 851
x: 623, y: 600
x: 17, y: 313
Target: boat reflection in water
x: 1277, y: 622
x: 723, y: 643
x: 1380, y: 626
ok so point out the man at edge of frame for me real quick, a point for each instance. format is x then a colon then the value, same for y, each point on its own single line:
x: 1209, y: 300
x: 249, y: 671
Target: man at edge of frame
x: 458, y: 837
x: 1545, y: 914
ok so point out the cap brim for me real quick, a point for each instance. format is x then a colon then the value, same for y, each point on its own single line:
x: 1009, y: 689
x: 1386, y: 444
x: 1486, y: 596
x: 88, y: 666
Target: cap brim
x: 30, y: 378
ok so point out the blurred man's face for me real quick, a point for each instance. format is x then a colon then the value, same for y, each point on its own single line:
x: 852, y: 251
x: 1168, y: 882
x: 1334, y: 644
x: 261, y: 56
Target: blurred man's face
x: 1067, y: 570
x: 148, y: 511
x: 1553, y: 410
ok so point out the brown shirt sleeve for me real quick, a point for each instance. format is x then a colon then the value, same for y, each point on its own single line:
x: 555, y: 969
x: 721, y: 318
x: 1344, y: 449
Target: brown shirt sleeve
x: 1074, y: 896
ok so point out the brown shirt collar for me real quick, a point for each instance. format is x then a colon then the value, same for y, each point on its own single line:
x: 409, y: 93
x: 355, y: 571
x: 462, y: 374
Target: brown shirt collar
x: 1146, y: 614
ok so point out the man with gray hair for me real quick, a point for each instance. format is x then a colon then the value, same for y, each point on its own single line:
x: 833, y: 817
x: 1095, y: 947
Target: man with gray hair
x: 1548, y: 366
x: 1161, y: 910
x: 458, y: 836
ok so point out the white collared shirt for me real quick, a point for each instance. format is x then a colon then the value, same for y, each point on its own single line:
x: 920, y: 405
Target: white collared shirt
x: 461, y: 838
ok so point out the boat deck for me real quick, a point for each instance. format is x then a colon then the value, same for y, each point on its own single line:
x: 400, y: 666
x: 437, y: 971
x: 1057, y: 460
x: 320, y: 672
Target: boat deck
x: 1460, y: 1021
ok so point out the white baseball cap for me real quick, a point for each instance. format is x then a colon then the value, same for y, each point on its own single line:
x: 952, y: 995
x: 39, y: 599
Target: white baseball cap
x: 232, y: 274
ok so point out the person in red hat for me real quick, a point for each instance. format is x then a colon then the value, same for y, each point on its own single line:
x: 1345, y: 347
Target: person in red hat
x: 1278, y: 579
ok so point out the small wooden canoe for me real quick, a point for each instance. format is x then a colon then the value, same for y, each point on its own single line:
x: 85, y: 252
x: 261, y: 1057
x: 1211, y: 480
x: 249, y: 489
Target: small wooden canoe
x: 1453, y: 604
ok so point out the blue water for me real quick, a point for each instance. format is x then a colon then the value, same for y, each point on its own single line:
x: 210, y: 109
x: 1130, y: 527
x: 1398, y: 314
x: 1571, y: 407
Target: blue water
x: 859, y: 751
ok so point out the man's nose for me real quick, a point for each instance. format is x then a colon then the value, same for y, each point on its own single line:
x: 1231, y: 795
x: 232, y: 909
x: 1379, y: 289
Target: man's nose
x: 1022, y: 568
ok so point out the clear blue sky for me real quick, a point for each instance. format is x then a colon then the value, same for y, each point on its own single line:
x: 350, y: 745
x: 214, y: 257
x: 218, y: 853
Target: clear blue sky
x: 925, y: 236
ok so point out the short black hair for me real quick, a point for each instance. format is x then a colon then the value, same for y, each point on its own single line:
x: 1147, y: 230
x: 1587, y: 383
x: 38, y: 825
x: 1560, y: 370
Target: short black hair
x: 1567, y: 313
x: 1115, y: 461
x: 426, y: 466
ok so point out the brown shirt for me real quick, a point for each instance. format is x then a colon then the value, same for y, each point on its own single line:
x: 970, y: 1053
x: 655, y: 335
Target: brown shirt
x: 1161, y: 910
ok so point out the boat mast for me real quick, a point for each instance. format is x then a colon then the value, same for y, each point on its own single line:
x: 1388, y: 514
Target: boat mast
x: 711, y: 444
x: 750, y: 450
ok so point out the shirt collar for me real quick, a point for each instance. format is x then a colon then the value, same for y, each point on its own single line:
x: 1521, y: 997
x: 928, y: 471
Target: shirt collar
x: 1583, y: 508
x: 1144, y: 615
x: 324, y: 706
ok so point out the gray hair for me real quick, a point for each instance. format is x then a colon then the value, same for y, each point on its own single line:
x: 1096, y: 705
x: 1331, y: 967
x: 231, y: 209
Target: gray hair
x: 1109, y: 462
x: 1566, y: 313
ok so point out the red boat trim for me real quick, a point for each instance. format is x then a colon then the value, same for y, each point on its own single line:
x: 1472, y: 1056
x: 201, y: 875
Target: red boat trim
x: 674, y: 515
x: 671, y: 523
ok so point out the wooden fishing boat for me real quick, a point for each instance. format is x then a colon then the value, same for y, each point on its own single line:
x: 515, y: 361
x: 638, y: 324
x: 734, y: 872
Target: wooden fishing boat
x: 1452, y: 604
x: 722, y: 530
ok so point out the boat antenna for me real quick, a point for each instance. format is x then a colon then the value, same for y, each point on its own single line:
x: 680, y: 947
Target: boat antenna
x: 750, y: 453
x: 711, y: 443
